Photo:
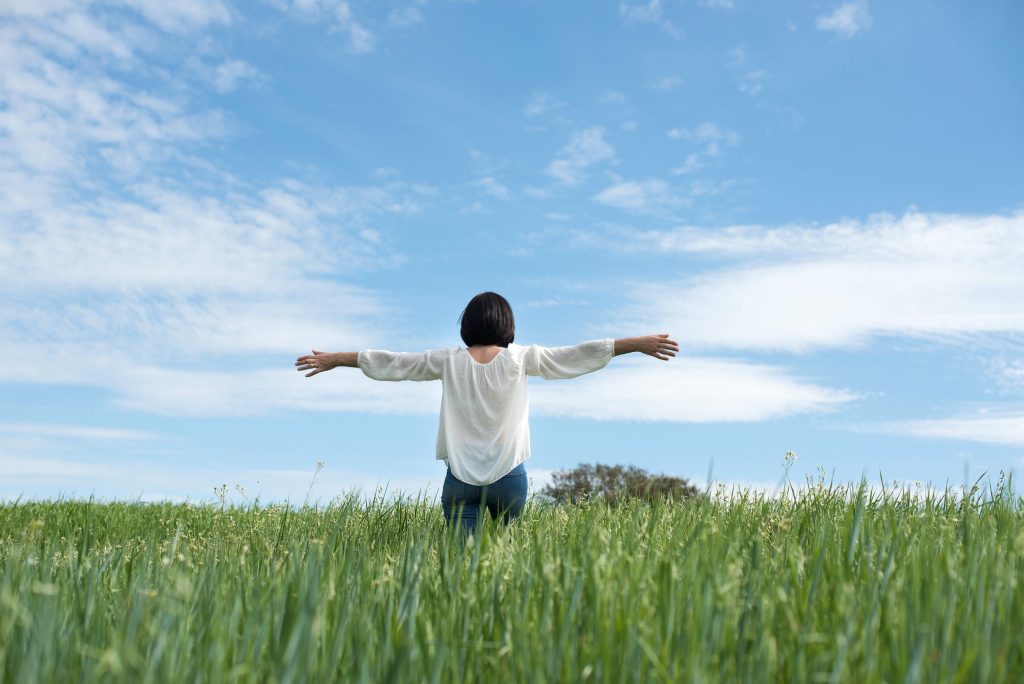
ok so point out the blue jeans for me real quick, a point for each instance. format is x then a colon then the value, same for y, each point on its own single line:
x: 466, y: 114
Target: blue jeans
x: 464, y: 503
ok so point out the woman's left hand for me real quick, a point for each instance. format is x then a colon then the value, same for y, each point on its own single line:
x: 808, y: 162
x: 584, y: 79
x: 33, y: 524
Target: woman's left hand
x: 317, y: 362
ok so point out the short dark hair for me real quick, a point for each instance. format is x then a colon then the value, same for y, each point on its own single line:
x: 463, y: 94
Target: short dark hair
x: 487, y: 319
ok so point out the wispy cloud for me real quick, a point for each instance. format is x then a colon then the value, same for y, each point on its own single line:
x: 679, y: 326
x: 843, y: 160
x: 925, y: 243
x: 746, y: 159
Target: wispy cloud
x: 848, y: 19
x: 169, y: 276
x: 1011, y: 376
x: 63, y: 119
x: 938, y: 276
x: 230, y: 73
x: 181, y: 15
x: 709, y: 134
x: 651, y: 195
x: 986, y: 427
x: 339, y: 16
x: 688, y: 390
x: 692, y: 164
x: 540, y: 104
x: 752, y: 82
x: 123, y: 269
x: 404, y: 17
x: 83, y: 432
x: 650, y: 12
x: 585, y: 148
x: 738, y: 55
x: 710, y: 137
x: 615, y: 96
x: 665, y: 83
x: 492, y: 187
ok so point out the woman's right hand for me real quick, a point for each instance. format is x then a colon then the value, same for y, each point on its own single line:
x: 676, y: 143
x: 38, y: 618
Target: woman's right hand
x: 659, y: 346
x: 317, y: 362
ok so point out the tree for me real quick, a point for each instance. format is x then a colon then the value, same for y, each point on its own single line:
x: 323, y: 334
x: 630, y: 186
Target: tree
x: 614, y: 484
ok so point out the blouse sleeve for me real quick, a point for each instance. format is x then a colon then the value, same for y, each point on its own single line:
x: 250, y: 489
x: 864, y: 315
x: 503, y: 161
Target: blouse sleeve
x: 568, y: 362
x: 385, y: 365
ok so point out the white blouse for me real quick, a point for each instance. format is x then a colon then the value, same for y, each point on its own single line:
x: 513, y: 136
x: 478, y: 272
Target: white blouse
x: 483, y: 432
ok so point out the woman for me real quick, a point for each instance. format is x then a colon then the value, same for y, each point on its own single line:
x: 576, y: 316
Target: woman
x: 484, y: 435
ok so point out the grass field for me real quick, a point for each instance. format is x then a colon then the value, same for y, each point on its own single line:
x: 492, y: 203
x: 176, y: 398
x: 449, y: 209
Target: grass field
x: 828, y: 584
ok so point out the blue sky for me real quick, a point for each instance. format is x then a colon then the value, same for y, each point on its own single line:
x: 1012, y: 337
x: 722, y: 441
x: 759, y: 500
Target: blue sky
x: 822, y: 201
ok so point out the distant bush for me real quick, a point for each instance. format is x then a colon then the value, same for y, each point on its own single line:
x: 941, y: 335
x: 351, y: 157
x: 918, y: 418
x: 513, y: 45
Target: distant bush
x: 613, y: 484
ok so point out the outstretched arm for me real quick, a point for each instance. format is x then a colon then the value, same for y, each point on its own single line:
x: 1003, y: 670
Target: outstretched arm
x: 378, y: 364
x: 319, y: 361
x: 658, y: 346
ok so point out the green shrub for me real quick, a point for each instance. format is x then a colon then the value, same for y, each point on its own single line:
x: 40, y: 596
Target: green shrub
x: 614, y: 484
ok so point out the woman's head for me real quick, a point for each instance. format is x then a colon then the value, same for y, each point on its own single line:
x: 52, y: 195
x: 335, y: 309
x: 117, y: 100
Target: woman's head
x: 487, y: 319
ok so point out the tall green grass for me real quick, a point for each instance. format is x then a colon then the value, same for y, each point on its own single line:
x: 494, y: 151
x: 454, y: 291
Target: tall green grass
x: 829, y: 584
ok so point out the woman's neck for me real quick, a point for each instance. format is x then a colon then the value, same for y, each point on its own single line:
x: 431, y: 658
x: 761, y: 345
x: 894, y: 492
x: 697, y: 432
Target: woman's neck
x: 484, y: 353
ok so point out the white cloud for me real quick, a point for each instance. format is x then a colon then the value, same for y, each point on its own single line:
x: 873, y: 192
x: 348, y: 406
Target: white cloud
x: 938, y: 276
x: 615, y: 96
x: 644, y: 196
x: 717, y: 4
x: 585, y: 148
x: 665, y: 83
x: 361, y: 40
x: 222, y: 393
x: 1012, y: 376
x: 340, y: 17
x: 492, y: 187
x: 685, y: 389
x: 1001, y: 428
x: 709, y: 134
x: 82, y: 432
x: 692, y: 164
x: 176, y: 279
x: 230, y: 73
x: 228, y: 388
x: 476, y: 207
x: 181, y: 15
x: 650, y: 12
x: 124, y: 274
x: 753, y: 82
x: 535, y: 192
x: 738, y: 55
x: 849, y: 19
x: 169, y: 241
x: 540, y: 104
x: 705, y: 187
x: 405, y: 17
x: 58, y: 117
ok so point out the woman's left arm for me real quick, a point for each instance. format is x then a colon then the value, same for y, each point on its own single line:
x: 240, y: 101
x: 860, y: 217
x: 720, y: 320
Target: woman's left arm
x: 319, y: 361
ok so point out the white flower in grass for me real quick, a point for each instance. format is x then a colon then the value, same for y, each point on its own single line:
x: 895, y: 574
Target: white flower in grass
x: 790, y: 458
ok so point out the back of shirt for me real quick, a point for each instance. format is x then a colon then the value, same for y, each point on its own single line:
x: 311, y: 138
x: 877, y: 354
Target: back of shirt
x: 483, y: 431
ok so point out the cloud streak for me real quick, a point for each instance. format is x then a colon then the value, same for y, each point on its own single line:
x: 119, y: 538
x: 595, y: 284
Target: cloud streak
x: 847, y: 20
x: 585, y: 148
x: 936, y: 276
x: 687, y: 390
x: 990, y: 427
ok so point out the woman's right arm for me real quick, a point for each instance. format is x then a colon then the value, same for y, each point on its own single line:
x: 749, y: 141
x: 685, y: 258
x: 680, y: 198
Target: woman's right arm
x: 378, y: 364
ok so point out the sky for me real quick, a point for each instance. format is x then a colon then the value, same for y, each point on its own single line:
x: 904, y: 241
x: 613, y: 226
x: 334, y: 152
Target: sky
x: 822, y: 201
